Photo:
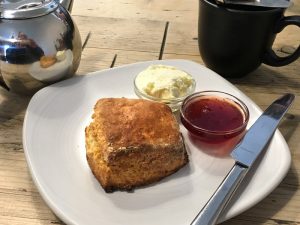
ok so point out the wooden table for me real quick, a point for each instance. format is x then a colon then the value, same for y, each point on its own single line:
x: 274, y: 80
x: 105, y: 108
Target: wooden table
x: 130, y: 31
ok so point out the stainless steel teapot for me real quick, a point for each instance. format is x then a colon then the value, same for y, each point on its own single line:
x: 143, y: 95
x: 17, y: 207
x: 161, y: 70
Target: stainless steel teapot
x: 39, y: 44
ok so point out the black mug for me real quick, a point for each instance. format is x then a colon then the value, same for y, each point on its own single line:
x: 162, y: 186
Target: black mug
x: 235, y: 40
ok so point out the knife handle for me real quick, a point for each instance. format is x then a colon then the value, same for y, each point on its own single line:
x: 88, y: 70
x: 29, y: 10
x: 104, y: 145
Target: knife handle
x: 213, y: 208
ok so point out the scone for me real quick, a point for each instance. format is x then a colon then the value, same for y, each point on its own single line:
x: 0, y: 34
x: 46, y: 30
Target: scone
x: 133, y: 142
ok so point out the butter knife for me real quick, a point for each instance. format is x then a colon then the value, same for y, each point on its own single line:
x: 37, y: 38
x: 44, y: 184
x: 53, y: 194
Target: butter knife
x: 244, y: 154
x: 261, y: 3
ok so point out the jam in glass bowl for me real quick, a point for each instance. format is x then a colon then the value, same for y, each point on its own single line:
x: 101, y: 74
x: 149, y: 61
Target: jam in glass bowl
x: 214, y: 118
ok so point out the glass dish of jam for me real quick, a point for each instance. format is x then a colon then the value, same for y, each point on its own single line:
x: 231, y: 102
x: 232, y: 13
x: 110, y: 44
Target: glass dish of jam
x: 214, y: 117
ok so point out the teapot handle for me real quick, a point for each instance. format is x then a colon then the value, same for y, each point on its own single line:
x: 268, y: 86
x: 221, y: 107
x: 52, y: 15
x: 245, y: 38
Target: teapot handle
x: 67, y: 4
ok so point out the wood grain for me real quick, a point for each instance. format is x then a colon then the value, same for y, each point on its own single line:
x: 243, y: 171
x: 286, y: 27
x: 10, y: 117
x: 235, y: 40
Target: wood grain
x: 133, y: 30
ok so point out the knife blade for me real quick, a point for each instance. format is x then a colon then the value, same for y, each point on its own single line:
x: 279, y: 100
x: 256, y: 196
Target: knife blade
x: 261, y: 3
x: 245, y: 154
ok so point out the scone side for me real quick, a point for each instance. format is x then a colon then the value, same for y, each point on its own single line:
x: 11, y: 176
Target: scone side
x: 95, y: 157
x: 140, y: 166
x: 124, y: 171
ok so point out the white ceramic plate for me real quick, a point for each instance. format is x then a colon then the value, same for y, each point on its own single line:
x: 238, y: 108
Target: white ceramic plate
x: 53, y: 138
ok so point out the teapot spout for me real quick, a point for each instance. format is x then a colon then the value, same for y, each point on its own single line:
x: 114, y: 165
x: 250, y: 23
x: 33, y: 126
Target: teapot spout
x: 67, y: 4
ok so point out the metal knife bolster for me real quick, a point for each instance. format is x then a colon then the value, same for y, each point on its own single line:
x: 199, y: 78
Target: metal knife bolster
x: 261, y: 132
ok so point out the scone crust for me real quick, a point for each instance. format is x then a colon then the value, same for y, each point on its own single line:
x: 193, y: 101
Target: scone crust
x: 130, y: 136
x: 134, y: 122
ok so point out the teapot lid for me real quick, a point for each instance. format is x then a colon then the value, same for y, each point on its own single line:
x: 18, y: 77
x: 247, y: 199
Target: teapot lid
x: 25, y: 9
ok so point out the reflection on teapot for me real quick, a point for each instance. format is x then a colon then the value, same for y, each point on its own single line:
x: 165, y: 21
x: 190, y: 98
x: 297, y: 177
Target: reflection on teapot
x: 39, y: 44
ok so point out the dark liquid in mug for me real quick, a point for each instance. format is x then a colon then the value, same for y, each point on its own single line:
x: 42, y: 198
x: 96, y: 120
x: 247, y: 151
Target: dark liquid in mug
x: 241, y: 7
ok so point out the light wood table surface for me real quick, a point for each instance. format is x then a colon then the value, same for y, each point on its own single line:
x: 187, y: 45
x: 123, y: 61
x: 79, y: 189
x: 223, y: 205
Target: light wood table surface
x: 132, y: 31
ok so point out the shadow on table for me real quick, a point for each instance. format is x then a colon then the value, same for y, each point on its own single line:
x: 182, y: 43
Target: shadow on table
x: 268, y: 77
x: 11, y: 105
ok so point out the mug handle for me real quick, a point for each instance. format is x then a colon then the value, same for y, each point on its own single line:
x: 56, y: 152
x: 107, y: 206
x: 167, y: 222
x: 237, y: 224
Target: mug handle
x: 270, y: 57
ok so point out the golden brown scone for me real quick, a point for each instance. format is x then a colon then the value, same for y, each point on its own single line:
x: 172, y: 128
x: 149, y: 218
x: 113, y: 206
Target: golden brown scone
x: 133, y: 142
x: 47, y: 61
